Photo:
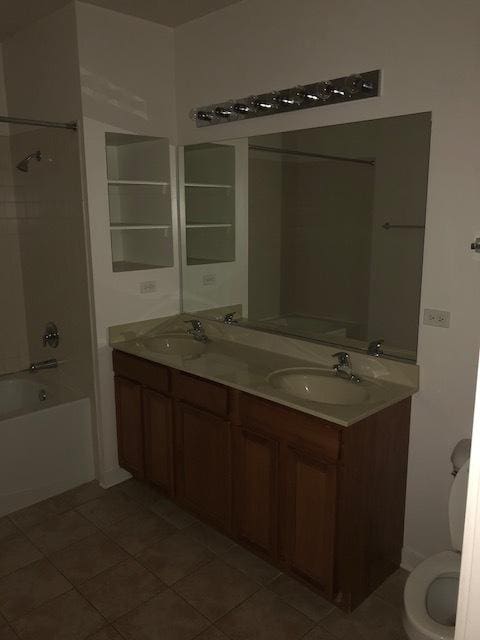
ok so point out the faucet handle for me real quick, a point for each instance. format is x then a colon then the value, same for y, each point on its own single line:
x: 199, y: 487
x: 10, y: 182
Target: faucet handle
x: 228, y: 318
x: 196, y: 324
x: 375, y: 347
x: 343, y: 358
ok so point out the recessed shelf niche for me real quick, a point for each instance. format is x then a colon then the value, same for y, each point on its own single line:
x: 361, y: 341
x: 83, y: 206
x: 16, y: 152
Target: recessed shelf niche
x: 210, y: 203
x: 139, y: 198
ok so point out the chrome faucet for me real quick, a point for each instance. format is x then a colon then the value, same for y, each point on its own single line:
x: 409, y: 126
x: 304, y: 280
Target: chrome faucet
x: 51, y: 336
x: 375, y: 348
x: 44, y: 364
x: 197, y: 331
x: 343, y: 368
x: 229, y: 319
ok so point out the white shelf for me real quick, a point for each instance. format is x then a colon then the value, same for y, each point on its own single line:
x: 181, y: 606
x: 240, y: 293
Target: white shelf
x: 140, y: 182
x: 129, y: 227
x: 207, y: 226
x: 208, y: 185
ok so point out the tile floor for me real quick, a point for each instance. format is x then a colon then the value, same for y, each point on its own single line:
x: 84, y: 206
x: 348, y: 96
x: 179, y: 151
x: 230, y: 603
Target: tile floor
x: 127, y: 564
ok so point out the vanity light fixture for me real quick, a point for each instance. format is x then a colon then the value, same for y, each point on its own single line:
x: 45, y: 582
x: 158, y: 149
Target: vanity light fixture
x: 357, y: 86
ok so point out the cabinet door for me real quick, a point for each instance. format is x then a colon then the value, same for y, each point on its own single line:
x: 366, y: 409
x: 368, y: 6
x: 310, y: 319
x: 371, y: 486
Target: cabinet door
x: 310, y: 512
x: 128, y: 399
x: 157, y: 424
x: 203, y: 463
x: 255, y: 482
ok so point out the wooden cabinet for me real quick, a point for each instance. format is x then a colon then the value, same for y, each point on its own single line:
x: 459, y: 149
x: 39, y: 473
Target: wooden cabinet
x: 256, y: 489
x: 128, y: 399
x: 309, y: 516
x: 203, y: 463
x: 324, y: 503
x: 158, y: 439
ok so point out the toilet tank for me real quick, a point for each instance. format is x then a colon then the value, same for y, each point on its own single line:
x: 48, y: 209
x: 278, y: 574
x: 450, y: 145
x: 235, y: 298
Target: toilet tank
x: 457, y: 505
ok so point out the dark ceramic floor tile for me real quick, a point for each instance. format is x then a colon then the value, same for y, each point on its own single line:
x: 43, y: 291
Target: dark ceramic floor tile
x: 378, y: 615
x: 68, y: 617
x: 7, y: 633
x: 175, y: 557
x: 265, y: 616
x: 109, y: 509
x: 212, y: 633
x: 15, y: 552
x: 77, y: 496
x: 88, y: 557
x: 107, y: 633
x: 121, y: 588
x: 210, y: 538
x: 29, y: 587
x: 215, y: 589
x: 253, y: 566
x: 165, y: 617
x: 59, y: 531
x: 136, y: 533
x: 141, y: 492
x: 299, y: 596
x: 319, y: 633
x: 173, y: 514
x: 30, y: 516
x: 393, y: 587
x: 7, y: 528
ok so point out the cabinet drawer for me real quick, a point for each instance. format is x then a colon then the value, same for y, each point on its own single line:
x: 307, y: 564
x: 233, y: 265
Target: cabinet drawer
x: 200, y: 393
x: 152, y: 375
x: 296, y: 427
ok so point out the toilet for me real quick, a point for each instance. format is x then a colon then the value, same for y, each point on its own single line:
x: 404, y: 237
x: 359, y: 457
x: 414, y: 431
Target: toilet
x: 431, y: 590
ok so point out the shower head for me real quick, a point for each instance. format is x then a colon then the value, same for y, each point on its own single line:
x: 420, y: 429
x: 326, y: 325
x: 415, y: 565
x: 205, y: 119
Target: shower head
x: 23, y: 164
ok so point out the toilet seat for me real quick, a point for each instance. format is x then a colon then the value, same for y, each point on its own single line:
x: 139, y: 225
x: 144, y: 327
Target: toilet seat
x: 418, y: 623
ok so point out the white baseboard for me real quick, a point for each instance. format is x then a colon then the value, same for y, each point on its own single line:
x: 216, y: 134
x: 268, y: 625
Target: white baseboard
x: 113, y: 476
x: 410, y: 558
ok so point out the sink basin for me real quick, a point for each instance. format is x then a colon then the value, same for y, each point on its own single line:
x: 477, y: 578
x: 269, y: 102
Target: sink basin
x: 319, y: 385
x: 174, y: 345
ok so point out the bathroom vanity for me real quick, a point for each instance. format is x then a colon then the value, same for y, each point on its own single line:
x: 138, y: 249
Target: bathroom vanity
x: 323, y: 499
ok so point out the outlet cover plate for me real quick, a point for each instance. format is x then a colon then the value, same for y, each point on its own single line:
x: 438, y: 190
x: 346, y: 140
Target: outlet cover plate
x: 436, y: 318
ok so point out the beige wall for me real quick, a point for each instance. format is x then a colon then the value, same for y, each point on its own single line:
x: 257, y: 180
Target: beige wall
x: 267, y: 44
x: 127, y: 71
x: 41, y: 64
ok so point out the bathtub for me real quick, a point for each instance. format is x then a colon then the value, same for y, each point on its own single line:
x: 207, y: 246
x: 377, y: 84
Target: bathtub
x: 45, y: 439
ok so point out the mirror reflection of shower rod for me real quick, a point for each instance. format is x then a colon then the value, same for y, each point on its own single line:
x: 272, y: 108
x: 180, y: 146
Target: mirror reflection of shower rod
x: 388, y: 226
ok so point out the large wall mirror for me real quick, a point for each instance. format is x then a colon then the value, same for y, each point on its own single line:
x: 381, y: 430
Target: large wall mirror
x: 316, y: 233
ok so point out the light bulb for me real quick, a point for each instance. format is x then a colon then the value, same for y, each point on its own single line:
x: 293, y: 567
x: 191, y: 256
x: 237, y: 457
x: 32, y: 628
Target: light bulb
x: 224, y: 111
x: 290, y: 98
x: 264, y: 103
x: 202, y: 115
x: 325, y: 90
x: 353, y: 84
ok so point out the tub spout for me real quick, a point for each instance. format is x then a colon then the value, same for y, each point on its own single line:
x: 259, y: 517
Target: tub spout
x: 44, y: 364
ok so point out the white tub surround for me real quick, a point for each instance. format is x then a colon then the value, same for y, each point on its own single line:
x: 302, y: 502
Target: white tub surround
x: 46, y: 439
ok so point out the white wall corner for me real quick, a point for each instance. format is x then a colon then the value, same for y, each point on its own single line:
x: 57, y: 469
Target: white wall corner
x: 410, y: 558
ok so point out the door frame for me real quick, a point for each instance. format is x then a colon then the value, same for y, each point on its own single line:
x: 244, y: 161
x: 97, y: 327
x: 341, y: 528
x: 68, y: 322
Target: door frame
x: 468, y: 612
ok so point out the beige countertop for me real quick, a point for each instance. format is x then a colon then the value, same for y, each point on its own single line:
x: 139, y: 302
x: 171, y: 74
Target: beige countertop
x: 247, y: 368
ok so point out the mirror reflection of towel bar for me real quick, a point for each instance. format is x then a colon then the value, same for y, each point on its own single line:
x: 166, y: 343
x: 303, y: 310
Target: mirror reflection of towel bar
x: 388, y: 226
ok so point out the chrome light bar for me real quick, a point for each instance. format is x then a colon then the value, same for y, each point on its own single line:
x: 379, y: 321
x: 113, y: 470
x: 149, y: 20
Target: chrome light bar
x: 318, y: 94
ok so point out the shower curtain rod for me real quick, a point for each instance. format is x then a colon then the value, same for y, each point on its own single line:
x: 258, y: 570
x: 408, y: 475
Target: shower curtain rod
x: 39, y: 123
x: 306, y: 154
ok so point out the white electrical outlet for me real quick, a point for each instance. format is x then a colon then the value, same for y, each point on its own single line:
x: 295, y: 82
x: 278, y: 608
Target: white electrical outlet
x: 150, y: 286
x: 209, y: 279
x: 436, y: 318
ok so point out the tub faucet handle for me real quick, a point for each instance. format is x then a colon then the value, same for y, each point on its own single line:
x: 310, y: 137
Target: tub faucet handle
x: 51, y: 336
